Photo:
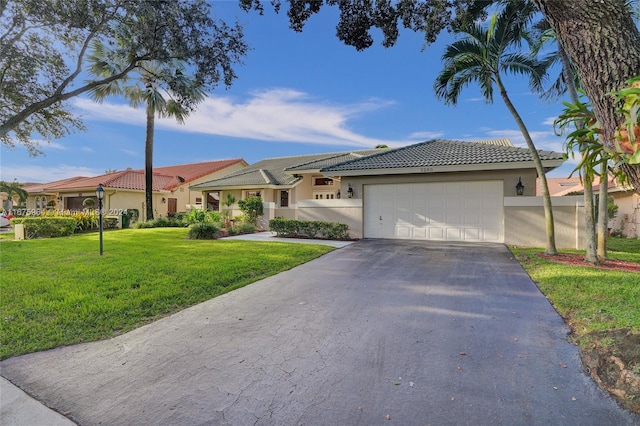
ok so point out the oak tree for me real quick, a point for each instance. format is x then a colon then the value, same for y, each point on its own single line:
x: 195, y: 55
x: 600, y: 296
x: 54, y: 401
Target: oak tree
x: 44, y: 47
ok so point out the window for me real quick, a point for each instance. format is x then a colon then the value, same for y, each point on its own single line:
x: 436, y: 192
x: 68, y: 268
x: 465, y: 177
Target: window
x: 253, y: 194
x: 284, y: 198
x: 198, y: 200
x: 322, y: 181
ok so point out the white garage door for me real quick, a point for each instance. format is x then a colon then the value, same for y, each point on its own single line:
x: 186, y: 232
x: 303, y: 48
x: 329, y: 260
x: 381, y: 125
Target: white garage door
x: 445, y: 211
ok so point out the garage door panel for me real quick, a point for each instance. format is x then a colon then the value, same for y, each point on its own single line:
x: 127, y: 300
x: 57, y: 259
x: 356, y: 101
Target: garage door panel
x: 458, y: 211
x: 420, y: 233
x: 472, y: 234
x: 454, y: 234
x: 472, y: 218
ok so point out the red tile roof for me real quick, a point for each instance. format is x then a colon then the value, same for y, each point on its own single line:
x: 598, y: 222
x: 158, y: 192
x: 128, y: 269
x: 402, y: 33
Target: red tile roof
x: 35, y: 188
x: 164, y: 178
x: 564, y: 186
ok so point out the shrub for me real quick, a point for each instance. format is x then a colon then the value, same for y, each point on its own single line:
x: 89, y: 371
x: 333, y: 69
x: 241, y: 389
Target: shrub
x: 110, y: 222
x: 245, y: 228
x: 134, y: 214
x: 161, y: 222
x: 41, y: 227
x: 309, y: 229
x: 204, y: 231
x: 252, y: 208
x: 181, y: 216
x: 196, y: 216
x: 214, y: 217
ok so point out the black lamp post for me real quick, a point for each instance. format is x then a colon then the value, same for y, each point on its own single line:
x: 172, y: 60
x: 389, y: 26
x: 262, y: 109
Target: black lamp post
x: 100, y: 196
x: 519, y: 187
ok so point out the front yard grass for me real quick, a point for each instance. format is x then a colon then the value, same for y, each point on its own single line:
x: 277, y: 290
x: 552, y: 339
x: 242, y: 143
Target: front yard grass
x: 59, y: 291
x: 590, y: 299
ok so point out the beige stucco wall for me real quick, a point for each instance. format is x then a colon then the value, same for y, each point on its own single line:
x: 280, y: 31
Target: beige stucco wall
x: 524, y: 222
x: 509, y: 177
x: 344, y: 211
x: 628, y: 218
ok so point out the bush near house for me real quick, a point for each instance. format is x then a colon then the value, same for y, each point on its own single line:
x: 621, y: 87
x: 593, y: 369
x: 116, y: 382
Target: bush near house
x: 309, y: 229
x: 161, y: 222
x: 42, y: 227
x: 252, y: 208
x: 204, y: 231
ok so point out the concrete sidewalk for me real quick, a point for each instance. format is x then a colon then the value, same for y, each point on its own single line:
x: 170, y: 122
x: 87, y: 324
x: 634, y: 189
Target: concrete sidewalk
x: 19, y: 409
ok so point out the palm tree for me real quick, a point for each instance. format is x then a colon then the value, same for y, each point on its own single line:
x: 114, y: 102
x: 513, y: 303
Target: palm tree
x: 568, y: 82
x: 481, y: 56
x: 150, y: 81
x: 11, y: 189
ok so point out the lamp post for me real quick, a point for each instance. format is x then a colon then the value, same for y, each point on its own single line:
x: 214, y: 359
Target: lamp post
x: 100, y: 196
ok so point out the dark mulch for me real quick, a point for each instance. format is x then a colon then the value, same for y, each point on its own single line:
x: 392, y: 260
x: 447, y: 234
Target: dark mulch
x: 578, y: 260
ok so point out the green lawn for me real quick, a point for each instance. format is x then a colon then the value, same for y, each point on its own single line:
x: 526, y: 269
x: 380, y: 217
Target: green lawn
x: 590, y: 299
x: 59, y: 291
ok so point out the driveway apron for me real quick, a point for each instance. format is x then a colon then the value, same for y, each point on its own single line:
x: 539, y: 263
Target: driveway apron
x: 376, y: 333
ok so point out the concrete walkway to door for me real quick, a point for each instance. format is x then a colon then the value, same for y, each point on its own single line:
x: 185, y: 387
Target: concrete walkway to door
x: 375, y: 333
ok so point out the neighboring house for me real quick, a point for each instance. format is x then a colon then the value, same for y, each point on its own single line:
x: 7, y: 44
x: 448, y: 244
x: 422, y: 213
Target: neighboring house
x: 435, y: 190
x: 124, y: 190
x: 281, y: 182
x: 627, y: 220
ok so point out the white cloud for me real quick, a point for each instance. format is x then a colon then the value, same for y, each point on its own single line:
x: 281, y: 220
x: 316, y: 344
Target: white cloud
x: 53, y: 145
x: 475, y: 100
x: 549, y: 121
x: 87, y: 149
x: 130, y: 152
x: 31, y: 173
x: 426, y: 135
x: 278, y: 115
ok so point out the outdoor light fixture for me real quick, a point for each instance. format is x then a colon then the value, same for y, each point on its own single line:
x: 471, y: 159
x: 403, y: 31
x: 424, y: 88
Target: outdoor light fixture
x: 164, y: 200
x: 519, y: 187
x: 100, y: 197
x: 350, y: 191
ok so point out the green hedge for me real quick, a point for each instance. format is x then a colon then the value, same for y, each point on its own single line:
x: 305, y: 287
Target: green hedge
x: 309, y: 229
x: 161, y: 222
x: 41, y: 227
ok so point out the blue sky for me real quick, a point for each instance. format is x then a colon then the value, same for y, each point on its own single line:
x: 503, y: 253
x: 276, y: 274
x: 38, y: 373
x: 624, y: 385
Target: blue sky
x: 297, y: 93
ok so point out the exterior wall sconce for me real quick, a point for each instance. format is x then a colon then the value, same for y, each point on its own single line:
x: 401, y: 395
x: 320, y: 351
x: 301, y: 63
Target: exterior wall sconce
x: 100, y: 197
x: 519, y: 187
x: 350, y: 192
x: 164, y: 200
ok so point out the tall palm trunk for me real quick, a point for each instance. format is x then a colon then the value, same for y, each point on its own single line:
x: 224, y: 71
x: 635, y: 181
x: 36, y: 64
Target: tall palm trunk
x: 603, y: 213
x: 592, y: 241
x: 548, y: 208
x: 148, y: 163
x: 591, y: 254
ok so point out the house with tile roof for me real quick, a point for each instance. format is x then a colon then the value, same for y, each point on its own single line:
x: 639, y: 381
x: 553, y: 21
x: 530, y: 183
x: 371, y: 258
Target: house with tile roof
x: 124, y: 190
x: 627, y: 219
x: 482, y: 191
x: 282, y: 181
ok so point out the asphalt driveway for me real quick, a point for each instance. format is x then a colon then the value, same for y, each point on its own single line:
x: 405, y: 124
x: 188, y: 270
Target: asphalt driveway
x: 375, y: 333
